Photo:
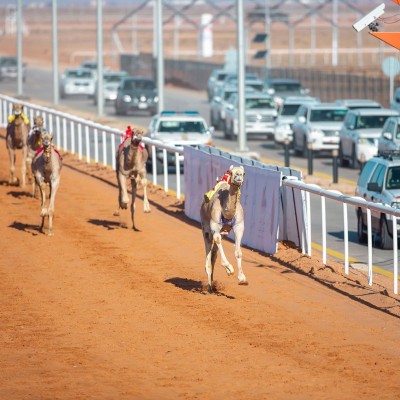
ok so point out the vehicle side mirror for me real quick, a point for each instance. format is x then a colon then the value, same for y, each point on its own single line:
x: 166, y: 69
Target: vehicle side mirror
x: 230, y: 106
x: 305, y: 91
x: 211, y: 129
x: 217, y: 99
x: 302, y: 119
x: 351, y: 127
x: 387, y: 136
x: 373, y: 187
x: 270, y: 91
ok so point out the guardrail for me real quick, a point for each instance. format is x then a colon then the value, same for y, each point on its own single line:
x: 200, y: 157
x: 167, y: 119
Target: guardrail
x: 90, y: 139
x: 345, y: 200
x: 87, y: 138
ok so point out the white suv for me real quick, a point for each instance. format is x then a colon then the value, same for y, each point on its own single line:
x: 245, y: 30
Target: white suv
x: 379, y: 182
x: 187, y: 128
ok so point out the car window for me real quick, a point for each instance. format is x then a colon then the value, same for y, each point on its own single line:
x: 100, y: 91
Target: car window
x: 371, y: 121
x: 113, y: 78
x: 259, y: 103
x: 389, y: 127
x: 393, y: 178
x: 182, y: 126
x: 329, y: 115
x: 227, y: 94
x: 290, y: 109
x: 137, y: 84
x: 378, y: 176
x: 366, y: 173
x: 79, y: 74
x: 287, y: 87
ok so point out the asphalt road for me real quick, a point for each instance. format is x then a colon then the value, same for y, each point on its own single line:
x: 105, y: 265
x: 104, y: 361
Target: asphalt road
x: 38, y: 86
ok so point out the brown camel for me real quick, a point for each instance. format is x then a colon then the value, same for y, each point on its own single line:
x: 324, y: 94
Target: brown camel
x: 16, y: 138
x: 220, y: 212
x: 131, y: 164
x: 46, y: 168
x: 34, y: 144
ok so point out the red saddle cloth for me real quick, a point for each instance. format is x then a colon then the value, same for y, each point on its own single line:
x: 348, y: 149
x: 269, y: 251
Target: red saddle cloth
x: 128, y: 135
x: 38, y: 151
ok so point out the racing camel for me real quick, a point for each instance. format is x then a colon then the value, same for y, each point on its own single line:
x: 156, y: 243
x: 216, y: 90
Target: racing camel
x: 220, y: 212
x: 34, y: 144
x: 131, y: 160
x: 16, y: 138
x: 46, y: 168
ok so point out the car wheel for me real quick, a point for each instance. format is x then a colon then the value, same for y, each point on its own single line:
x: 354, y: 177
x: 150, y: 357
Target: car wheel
x: 386, y: 239
x: 355, y: 163
x: 361, y: 235
x: 221, y: 125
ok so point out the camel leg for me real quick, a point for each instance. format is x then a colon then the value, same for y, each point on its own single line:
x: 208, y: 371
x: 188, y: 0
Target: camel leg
x: 134, y: 189
x: 13, y: 180
x: 23, y: 167
x: 123, y: 192
x: 53, y: 190
x: 238, y: 229
x: 146, y: 204
x: 218, y: 241
x: 209, y: 265
x: 42, y: 187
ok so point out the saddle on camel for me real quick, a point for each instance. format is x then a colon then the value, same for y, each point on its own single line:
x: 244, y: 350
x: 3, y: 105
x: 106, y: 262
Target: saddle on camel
x: 221, y: 212
x: 18, y: 128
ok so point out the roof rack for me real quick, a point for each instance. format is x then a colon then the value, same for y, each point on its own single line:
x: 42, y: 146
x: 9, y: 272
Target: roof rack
x: 168, y: 112
x: 390, y: 154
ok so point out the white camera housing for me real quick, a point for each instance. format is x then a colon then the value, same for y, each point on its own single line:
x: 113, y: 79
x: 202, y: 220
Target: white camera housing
x: 369, y: 18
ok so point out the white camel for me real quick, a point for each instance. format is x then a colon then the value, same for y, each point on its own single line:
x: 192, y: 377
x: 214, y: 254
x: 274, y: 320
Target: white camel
x: 220, y: 212
x: 46, y: 168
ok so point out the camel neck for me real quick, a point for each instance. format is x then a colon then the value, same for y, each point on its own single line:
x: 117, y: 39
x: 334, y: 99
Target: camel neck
x: 233, y: 199
x: 131, y: 157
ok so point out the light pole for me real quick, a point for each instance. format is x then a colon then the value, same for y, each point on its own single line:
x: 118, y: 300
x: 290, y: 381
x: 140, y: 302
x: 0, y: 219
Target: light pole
x: 56, y: 95
x: 160, y: 55
x: 19, y: 47
x: 100, y: 93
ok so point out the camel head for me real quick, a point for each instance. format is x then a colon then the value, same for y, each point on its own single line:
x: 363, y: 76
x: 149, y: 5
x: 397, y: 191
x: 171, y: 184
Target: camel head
x: 37, y: 125
x: 237, y: 175
x: 47, y: 139
x: 17, y: 109
x: 137, y: 135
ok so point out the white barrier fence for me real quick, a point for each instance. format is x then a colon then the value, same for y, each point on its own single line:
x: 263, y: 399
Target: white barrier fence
x: 98, y: 143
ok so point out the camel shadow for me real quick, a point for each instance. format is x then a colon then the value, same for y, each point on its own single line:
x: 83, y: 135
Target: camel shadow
x: 109, y: 225
x: 19, y: 195
x: 34, y: 230
x: 195, y: 287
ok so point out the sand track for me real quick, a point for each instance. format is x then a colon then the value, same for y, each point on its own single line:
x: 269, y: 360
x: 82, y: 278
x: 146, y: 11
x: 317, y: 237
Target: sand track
x: 102, y: 312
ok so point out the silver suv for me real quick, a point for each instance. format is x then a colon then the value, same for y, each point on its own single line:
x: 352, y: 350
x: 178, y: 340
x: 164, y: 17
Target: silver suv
x: 379, y: 182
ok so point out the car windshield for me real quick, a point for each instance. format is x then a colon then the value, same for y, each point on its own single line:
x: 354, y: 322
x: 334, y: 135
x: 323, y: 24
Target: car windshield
x: 329, y: 115
x: 287, y: 87
x: 393, y: 178
x: 290, y: 109
x: 256, y: 86
x: 112, y: 78
x: 79, y: 74
x: 182, y: 127
x: 138, y: 84
x: 259, y: 103
x: 8, y: 62
x: 371, y: 121
x: 228, y: 94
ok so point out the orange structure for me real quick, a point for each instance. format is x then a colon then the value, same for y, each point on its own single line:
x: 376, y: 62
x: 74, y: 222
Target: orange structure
x: 391, y: 38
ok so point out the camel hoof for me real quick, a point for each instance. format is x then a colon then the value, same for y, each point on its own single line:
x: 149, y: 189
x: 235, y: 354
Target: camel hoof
x: 244, y: 283
x: 123, y: 206
x: 209, y: 289
x: 50, y: 234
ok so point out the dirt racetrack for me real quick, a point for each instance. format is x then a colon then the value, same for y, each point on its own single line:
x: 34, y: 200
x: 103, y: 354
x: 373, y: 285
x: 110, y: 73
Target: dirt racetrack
x: 102, y: 312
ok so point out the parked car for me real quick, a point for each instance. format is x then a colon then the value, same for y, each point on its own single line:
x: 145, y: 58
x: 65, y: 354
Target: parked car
x: 136, y: 94
x: 217, y: 75
x: 111, y: 81
x: 281, y: 88
x: 90, y: 64
x: 218, y: 104
x: 395, y: 104
x: 9, y: 68
x: 390, y: 135
x: 360, y: 133
x: 286, y: 116
x: 317, y: 125
x: 77, y: 81
x: 260, y: 114
x: 351, y: 104
x: 379, y: 182
x: 187, y: 128
x: 250, y: 80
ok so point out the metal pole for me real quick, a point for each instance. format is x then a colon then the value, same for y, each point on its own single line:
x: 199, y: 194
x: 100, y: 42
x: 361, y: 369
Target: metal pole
x: 287, y: 155
x: 160, y: 56
x: 335, y: 166
x: 291, y: 45
x: 310, y: 158
x: 241, y: 67
x: 54, y: 25
x: 335, y: 33
x: 19, y: 48
x: 313, y: 39
x: 267, y: 37
x: 100, y: 93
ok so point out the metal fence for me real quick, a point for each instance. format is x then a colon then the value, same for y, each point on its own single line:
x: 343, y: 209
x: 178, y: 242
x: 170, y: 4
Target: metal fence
x: 97, y: 143
x: 327, y: 84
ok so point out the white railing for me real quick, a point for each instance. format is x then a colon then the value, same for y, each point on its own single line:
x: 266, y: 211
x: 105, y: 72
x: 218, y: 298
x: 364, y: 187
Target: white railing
x: 92, y: 140
x: 345, y: 200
